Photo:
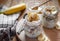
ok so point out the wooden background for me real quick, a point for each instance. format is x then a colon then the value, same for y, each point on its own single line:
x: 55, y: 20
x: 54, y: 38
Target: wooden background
x: 53, y: 34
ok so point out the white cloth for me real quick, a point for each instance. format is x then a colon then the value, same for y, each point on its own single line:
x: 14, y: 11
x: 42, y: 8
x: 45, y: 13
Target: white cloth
x: 7, y: 20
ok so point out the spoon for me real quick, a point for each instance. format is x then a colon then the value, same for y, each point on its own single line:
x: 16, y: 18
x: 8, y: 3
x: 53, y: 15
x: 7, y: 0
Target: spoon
x: 36, y: 7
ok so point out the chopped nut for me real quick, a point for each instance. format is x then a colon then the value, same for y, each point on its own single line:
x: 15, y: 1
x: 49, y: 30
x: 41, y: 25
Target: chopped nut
x: 32, y: 17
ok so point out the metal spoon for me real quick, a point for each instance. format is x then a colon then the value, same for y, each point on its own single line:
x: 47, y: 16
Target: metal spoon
x: 40, y: 5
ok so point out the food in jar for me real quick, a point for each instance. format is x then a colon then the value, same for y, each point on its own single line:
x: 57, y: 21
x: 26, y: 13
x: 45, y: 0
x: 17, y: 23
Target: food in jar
x: 50, y: 16
x: 33, y: 26
x: 50, y: 10
x: 33, y: 17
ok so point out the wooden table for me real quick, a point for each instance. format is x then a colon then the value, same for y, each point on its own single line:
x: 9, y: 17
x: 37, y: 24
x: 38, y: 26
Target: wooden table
x: 53, y: 34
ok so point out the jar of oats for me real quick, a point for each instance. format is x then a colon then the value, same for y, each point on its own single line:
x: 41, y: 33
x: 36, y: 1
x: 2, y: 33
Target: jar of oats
x: 50, y: 16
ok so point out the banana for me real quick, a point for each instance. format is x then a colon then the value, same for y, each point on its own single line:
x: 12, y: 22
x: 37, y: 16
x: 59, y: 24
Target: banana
x: 14, y: 9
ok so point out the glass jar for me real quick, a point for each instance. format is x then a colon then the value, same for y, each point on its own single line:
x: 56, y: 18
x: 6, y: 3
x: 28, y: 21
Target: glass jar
x: 34, y: 28
x: 50, y: 17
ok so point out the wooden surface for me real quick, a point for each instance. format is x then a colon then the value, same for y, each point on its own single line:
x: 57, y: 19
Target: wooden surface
x: 53, y: 34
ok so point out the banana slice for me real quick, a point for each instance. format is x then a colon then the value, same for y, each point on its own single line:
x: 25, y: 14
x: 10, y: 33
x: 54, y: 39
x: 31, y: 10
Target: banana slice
x: 43, y: 37
x: 58, y: 25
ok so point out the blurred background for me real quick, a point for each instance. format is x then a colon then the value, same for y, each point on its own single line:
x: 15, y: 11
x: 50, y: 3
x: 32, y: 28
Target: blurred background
x: 53, y: 34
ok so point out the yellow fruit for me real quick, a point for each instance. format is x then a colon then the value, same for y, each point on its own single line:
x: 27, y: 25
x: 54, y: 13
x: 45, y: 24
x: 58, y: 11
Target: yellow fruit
x: 15, y: 8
